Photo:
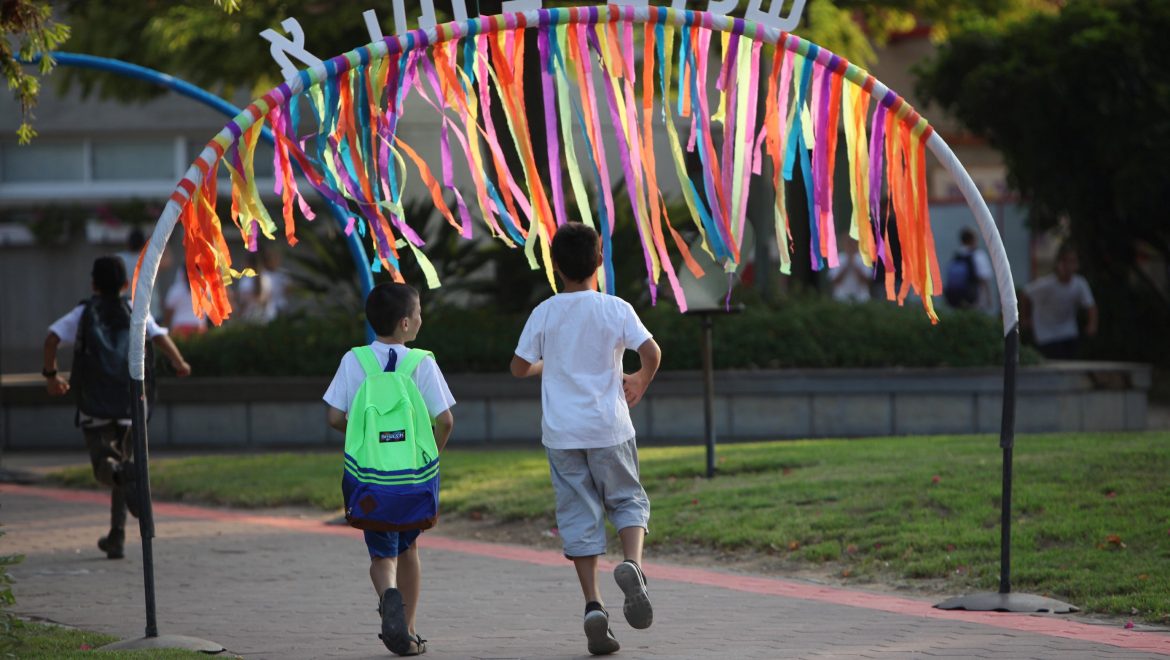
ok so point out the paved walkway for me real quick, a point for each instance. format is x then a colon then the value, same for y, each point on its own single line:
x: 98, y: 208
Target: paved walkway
x: 269, y: 586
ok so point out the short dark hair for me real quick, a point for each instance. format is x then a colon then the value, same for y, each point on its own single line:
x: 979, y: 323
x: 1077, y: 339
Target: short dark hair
x: 966, y: 236
x: 135, y: 240
x: 387, y: 304
x: 109, y: 275
x: 574, y: 251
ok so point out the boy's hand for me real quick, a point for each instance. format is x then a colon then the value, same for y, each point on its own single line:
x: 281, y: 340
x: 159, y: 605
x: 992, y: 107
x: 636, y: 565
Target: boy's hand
x: 182, y: 369
x: 57, y: 386
x: 634, y: 386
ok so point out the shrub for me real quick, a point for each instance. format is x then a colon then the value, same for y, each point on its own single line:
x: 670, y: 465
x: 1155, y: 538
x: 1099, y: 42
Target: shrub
x: 812, y: 333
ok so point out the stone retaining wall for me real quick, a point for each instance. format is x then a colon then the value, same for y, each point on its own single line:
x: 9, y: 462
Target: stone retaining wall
x: 750, y: 405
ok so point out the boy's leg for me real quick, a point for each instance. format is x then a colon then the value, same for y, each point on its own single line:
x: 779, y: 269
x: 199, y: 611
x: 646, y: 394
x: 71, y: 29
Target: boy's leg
x: 102, y: 443
x: 581, y: 523
x: 616, y: 471
x: 587, y: 575
x: 632, y: 538
x: 384, y: 553
x: 383, y: 573
x: 410, y: 580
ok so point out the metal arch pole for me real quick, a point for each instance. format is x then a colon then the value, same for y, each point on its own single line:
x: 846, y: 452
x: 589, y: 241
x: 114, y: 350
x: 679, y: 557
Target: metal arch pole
x: 1004, y: 600
x: 708, y: 324
x: 195, y: 93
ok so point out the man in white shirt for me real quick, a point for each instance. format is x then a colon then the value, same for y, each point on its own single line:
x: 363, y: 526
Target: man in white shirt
x: 575, y: 341
x: 1050, y: 306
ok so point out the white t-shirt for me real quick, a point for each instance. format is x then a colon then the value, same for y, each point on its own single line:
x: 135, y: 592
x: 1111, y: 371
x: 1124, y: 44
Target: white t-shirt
x: 179, y: 301
x: 581, y: 337
x: 66, y: 327
x: 427, y: 376
x: 1055, y: 305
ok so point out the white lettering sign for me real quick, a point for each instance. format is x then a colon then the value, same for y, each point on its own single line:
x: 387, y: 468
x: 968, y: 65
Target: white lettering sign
x: 771, y: 18
x: 282, y: 47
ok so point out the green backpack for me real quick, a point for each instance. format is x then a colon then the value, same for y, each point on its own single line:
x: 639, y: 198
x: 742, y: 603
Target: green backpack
x: 391, y: 479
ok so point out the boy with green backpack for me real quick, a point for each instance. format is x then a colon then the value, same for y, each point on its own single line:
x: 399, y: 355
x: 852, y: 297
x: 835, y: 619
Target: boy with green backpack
x: 394, y: 407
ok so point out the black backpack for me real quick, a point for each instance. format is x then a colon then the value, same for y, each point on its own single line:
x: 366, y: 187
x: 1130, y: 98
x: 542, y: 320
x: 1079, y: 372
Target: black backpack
x: 959, y: 284
x: 100, y: 375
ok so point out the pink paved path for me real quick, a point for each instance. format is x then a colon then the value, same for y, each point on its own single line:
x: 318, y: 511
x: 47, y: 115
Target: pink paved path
x: 279, y: 586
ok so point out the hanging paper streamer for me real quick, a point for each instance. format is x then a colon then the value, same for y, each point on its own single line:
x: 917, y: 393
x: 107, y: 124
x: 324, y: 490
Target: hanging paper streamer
x: 512, y: 172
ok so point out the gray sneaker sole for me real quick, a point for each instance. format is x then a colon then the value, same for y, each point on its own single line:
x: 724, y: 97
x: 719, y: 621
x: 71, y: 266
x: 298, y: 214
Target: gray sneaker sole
x: 639, y: 613
x: 597, y: 632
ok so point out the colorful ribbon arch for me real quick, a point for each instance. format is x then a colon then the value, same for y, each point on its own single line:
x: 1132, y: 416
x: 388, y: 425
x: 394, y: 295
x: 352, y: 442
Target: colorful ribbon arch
x: 593, y: 59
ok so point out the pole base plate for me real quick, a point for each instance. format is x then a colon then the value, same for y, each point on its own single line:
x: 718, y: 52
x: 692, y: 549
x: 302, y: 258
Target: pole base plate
x: 166, y: 642
x: 1010, y: 602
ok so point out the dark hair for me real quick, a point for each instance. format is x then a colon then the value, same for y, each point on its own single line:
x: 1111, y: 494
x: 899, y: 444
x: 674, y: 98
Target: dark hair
x: 109, y: 276
x: 135, y: 240
x: 1065, y: 249
x: 387, y: 304
x: 574, y: 251
x: 966, y: 236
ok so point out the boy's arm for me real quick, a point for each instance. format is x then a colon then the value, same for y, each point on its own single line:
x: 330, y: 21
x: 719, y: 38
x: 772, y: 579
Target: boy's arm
x: 167, y: 346
x: 522, y: 368
x: 635, y: 384
x: 56, y: 384
x: 335, y: 417
x: 444, y: 424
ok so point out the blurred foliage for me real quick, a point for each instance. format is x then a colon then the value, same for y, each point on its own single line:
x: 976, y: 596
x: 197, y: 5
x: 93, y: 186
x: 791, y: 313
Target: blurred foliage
x: 800, y: 333
x: 1086, y: 142
x: 26, y: 29
x: 190, y: 40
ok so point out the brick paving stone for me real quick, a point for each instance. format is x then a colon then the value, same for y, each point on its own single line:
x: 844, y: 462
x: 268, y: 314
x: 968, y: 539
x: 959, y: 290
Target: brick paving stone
x: 268, y: 587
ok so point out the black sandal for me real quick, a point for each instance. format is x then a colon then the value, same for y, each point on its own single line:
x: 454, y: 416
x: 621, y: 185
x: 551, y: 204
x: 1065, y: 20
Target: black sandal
x: 418, y: 645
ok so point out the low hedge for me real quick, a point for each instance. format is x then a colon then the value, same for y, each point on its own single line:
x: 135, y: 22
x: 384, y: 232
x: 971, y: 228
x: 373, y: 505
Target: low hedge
x: 796, y: 334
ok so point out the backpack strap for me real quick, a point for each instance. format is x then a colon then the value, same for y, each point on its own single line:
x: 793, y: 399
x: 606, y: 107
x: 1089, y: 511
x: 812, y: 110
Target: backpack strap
x: 413, y: 358
x: 369, y: 361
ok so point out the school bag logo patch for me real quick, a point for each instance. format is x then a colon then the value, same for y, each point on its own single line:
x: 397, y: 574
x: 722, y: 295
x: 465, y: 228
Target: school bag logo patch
x: 391, y: 481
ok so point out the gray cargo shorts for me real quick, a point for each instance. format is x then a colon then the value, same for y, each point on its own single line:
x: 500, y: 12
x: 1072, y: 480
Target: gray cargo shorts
x: 591, y: 483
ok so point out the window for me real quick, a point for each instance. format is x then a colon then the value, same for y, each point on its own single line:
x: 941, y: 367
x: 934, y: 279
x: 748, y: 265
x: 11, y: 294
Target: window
x: 134, y: 160
x: 42, y: 161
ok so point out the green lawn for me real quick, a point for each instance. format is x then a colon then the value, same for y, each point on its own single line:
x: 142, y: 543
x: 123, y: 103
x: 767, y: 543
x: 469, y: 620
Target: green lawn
x: 1091, y: 511
x: 49, y: 642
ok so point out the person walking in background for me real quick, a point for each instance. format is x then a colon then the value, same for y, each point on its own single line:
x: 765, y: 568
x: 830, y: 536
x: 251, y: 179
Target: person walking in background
x: 575, y: 341
x: 967, y: 280
x: 264, y: 296
x: 180, y: 316
x: 1049, y: 307
x: 851, y: 279
x: 100, y: 378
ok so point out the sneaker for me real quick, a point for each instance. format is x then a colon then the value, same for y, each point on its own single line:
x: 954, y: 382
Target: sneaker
x: 631, y: 579
x: 113, y: 544
x: 394, y: 634
x: 597, y: 630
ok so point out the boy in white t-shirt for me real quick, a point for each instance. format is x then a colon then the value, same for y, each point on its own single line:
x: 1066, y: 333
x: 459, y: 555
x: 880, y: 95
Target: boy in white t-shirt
x: 575, y: 341
x: 394, y: 313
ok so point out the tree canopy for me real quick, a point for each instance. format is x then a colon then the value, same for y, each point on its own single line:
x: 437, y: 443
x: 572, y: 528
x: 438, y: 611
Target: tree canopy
x: 198, y: 43
x: 1079, y: 104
